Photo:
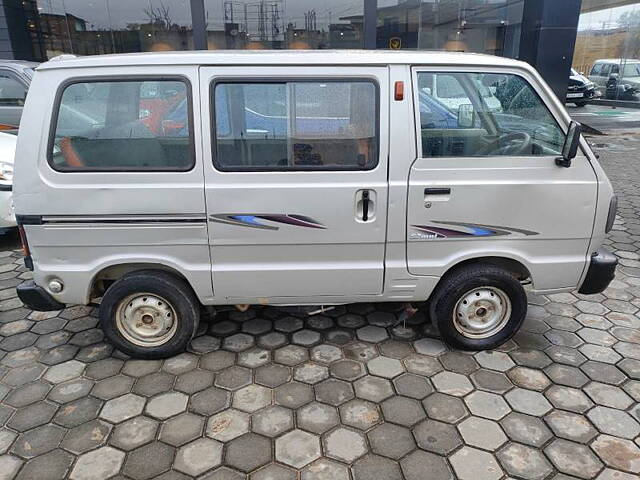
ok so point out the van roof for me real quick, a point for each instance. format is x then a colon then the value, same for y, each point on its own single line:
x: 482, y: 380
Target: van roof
x: 280, y: 57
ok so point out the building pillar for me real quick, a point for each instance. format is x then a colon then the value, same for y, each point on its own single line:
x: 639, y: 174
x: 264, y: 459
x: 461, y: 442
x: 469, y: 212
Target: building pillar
x: 548, y: 38
x: 199, y: 25
x: 370, y: 26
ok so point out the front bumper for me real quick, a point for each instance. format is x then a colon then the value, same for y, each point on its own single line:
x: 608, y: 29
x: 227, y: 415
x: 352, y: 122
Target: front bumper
x: 37, y: 298
x: 601, y: 272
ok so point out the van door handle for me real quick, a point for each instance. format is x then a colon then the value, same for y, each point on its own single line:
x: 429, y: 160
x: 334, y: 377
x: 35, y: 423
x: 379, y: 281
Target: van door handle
x: 366, y: 205
x: 437, y: 191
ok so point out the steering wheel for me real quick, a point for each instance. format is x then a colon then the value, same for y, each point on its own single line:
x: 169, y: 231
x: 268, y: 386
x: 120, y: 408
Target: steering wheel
x: 513, y: 143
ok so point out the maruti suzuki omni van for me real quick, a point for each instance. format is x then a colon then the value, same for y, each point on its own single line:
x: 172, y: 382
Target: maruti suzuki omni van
x: 159, y: 183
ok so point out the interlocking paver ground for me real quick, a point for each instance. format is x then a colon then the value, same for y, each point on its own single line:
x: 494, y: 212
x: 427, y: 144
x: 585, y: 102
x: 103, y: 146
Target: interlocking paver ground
x: 348, y: 395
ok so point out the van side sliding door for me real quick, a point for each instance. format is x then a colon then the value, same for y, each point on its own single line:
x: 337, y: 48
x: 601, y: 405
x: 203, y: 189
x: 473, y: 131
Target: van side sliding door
x: 295, y: 181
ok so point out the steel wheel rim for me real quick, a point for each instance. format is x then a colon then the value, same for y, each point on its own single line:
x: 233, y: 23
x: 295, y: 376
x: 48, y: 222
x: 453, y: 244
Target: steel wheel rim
x: 482, y: 312
x: 146, y: 319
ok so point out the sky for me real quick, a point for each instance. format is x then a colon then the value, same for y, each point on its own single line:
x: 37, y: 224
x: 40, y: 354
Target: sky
x: 607, y: 18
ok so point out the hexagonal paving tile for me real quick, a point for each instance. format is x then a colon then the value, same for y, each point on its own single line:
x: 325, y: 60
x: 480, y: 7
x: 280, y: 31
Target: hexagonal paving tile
x: 344, y: 444
x: 167, y: 405
x: 252, y: 398
x: 248, y: 452
x: 614, y: 422
x: 437, y: 437
x: 317, y: 417
x: 482, y: 433
x: 297, y: 448
x: 228, y: 424
x: 417, y: 463
x: 359, y: 414
x: 403, y: 411
x: 132, y: 434
x: 524, y: 462
x: 272, y: 421
x: 527, y: 401
x: 104, y: 462
x: 198, y: 456
x: 324, y: 469
x: 573, y: 459
x: 471, y: 464
x: 181, y: 429
x: 391, y: 440
x: 487, y: 405
x: 122, y: 408
x: 618, y: 453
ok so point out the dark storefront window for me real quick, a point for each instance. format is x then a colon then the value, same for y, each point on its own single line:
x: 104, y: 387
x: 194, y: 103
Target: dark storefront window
x: 277, y: 24
x: 91, y: 27
x: 482, y: 26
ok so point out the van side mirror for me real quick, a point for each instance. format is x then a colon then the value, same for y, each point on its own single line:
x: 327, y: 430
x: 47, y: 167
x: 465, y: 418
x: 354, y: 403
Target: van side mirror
x: 466, y: 116
x: 571, y: 144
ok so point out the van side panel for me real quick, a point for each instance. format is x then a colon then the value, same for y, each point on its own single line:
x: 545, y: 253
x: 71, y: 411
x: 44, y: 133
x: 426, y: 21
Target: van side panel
x: 86, y: 221
x: 543, y: 215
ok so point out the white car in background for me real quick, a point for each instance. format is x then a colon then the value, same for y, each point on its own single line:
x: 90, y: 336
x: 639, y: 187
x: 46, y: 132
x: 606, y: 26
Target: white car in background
x: 7, y: 155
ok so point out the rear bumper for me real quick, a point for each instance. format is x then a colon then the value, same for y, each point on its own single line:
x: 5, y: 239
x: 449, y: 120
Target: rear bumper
x: 601, y: 272
x: 36, y: 298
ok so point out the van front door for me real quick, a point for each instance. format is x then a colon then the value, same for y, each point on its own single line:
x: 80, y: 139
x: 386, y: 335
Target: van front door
x: 485, y: 183
x: 296, y: 188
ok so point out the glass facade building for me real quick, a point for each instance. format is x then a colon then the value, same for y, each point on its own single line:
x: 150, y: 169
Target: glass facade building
x: 542, y: 32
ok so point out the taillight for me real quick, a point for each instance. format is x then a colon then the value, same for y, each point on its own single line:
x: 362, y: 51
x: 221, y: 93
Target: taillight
x: 28, y: 262
x: 23, y: 239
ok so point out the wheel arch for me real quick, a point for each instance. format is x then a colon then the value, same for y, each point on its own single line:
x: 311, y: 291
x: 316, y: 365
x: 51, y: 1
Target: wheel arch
x: 516, y: 267
x: 110, y: 273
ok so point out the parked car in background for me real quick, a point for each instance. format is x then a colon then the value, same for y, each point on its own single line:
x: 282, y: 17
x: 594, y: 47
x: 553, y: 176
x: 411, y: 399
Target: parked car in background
x: 617, y: 78
x: 581, y: 89
x: 15, y: 77
x: 7, y: 155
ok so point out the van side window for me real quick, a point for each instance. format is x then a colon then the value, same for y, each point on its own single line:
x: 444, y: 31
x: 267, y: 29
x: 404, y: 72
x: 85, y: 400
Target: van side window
x: 596, y: 69
x: 484, y: 115
x: 141, y: 125
x: 297, y: 125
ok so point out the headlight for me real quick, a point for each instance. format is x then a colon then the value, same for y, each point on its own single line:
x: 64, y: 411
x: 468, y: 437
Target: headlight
x: 6, y: 172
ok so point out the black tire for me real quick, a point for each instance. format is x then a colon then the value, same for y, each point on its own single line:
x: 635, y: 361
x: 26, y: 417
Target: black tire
x: 175, y: 291
x: 580, y: 104
x: 456, y: 285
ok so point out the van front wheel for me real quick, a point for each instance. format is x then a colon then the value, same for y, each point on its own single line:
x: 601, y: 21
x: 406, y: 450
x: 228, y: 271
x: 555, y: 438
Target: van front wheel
x: 150, y: 314
x: 479, y: 307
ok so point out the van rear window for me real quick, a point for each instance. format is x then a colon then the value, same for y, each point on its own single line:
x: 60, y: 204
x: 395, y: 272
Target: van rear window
x: 120, y: 125
x: 296, y: 125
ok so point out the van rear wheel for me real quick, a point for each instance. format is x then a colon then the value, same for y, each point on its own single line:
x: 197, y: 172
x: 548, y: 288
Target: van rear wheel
x: 479, y: 307
x: 150, y: 314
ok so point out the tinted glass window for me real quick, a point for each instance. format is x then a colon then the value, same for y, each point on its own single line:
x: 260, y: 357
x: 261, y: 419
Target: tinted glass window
x: 296, y: 125
x: 480, y: 115
x: 12, y: 92
x: 123, y: 125
x: 597, y: 68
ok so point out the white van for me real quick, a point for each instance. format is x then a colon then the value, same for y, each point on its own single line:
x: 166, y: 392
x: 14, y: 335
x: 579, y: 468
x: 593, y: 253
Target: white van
x: 160, y: 183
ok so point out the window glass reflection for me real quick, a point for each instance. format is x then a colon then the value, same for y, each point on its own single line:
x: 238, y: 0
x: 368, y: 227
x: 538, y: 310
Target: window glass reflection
x: 483, y: 26
x: 278, y: 24
x: 607, y: 53
x: 90, y: 27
